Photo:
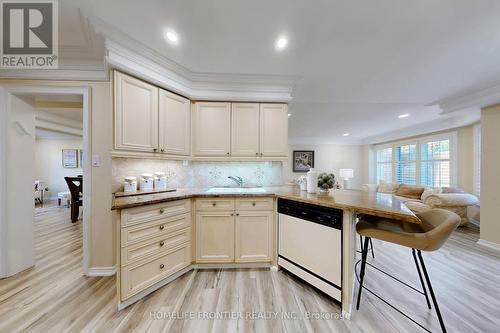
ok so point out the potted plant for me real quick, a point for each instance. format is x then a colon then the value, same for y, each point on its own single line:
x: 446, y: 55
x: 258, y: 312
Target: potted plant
x: 326, y: 181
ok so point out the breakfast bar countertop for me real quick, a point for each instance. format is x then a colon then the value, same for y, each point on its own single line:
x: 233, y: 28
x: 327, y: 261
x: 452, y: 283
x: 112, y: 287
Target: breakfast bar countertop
x: 378, y: 204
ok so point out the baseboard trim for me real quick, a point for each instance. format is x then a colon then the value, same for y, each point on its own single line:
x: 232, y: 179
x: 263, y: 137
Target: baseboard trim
x: 489, y: 245
x: 232, y: 265
x: 101, y: 271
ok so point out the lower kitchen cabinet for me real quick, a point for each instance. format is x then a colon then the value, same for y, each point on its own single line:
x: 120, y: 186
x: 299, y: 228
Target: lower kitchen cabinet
x: 254, y: 236
x: 215, y: 236
x: 234, y: 235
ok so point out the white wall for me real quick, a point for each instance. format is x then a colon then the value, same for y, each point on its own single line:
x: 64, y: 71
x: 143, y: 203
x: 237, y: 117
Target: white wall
x: 490, y: 176
x: 48, y: 163
x: 331, y: 158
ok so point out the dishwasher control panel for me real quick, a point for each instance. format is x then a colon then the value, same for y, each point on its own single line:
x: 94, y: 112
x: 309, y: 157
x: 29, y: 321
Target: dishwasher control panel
x: 330, y: 217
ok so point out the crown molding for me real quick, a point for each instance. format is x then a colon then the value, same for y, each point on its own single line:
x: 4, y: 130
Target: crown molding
x: 470, y: 100
x: 151, y: 66
x: 441, y: 124
x: 69, y: 73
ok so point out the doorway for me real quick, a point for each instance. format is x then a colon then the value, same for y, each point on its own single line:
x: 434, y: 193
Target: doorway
x: 16, y: 221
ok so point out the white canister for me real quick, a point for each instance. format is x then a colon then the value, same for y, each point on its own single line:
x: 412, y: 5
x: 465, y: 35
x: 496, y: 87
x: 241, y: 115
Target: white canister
x: 147, y: 182
x: 130, y: 184
x: 312, y: 181
x: 160, y: 181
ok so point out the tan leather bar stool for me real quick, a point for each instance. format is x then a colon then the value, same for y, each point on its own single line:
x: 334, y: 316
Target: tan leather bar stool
x: 437, y: 225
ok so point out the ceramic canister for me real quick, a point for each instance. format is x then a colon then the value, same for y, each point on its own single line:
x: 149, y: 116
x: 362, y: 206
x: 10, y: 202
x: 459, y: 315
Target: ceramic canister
x: 147, y: 182
x: 160, y: 181
x: 130, y: 184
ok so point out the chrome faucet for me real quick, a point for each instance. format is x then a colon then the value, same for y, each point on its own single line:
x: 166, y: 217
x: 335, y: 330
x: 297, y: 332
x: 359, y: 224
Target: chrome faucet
x: 238, y: 180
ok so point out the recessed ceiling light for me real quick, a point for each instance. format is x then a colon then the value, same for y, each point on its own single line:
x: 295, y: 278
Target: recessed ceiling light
x: 172, y: 37
x: 281, y: 43
x: 404, y: 115
x: 347, y: 134
x: 289, y: 115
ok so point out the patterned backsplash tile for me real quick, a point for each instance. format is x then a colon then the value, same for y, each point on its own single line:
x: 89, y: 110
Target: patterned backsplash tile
x: 199, y: 174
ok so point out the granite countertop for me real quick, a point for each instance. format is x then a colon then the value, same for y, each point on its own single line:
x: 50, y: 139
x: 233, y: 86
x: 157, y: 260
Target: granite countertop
x: 378, y: 204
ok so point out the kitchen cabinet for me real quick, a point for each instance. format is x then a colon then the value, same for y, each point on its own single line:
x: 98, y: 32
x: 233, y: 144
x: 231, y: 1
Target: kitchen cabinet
x: 212, y: 129
x: 245, y: 129
x: 273, y: 129
x: 215, y: 236
x: 253, y: 236
x: 174, y: 124
x: 234, y: 230
x: 136, y: 114
x: 154, y: 244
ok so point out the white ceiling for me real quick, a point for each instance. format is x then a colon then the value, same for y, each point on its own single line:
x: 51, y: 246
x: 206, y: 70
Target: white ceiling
x: 361, y: 63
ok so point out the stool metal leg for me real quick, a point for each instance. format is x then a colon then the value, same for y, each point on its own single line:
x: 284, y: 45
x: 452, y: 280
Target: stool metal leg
x: 434, y: 301
x: 421, y: 279
x: 371, y: 247
x: 364, y: 254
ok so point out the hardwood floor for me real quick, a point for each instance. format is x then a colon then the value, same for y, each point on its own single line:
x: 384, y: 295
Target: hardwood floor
x: 54, y: 296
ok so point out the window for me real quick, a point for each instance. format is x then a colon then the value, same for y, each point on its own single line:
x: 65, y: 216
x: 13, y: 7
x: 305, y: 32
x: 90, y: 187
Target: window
x: 435, y: 163
x: 428, y: 161
x: 406, y: 164
x: 384, y: 165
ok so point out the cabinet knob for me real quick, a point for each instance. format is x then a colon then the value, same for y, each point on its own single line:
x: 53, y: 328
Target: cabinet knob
x: 232, y: 214
x: 214, y: 204
x: 162, y: 227
x: 227, y: 153
x: 154, y: 149
x: 253, y: 204
x: 162, y: 243
x: 162, y: 150
x: 162, y: 211
x: 257, y: 154
x: 162, y: 266
x: 237, y: 214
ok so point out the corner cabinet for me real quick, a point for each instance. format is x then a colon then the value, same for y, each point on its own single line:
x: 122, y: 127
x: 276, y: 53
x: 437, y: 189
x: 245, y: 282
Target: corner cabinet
x: 212, y: 129
x: 136, y: 114
x: 174, y: 124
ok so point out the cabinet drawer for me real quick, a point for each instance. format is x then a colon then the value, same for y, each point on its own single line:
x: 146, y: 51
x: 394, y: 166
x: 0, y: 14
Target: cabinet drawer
x: 154, y: 212
x: 143, y: 274
x: 158, y: 228
x: 249, y: 204
x: 154, y: 246
x: 215, y: 204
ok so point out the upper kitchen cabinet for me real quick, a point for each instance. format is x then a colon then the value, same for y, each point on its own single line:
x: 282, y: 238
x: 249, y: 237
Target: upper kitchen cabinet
x: 136, y: 114
x: 245, y: 129
x: 174, y: 124
x: 273, y: 130
x: 212, y: 129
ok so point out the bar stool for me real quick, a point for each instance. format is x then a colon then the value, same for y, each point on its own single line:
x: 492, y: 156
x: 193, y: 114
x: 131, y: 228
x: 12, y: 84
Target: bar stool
x: 437, y: 225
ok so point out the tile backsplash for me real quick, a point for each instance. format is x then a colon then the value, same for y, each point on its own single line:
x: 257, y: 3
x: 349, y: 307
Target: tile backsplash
x: 198, y: 173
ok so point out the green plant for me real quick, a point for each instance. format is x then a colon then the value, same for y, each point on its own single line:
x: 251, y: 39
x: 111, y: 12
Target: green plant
x: 326, y: 181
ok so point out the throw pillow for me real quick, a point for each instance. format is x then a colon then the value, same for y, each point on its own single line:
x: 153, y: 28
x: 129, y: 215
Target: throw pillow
x: 410, y: 191
x: 390, y: 188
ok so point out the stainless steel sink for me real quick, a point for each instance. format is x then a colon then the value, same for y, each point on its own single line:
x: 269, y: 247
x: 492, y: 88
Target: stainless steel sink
x: 222, y: 189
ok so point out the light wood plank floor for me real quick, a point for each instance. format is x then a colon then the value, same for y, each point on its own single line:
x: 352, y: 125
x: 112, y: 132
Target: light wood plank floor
x: 55, y: 297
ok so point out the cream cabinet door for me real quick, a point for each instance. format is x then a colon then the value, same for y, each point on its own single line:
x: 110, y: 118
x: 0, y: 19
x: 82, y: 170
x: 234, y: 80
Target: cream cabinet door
x: 254, y: 236
x: 212, y: 129
x: 214, y: 237
x: 245, y: 129
x: 273, y: 129
x: 136, y: 114
x: 174, y: 124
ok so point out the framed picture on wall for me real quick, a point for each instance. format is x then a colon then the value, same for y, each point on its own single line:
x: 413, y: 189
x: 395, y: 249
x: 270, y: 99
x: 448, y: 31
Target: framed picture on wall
x: 70, y: 158
x: 303, y: 160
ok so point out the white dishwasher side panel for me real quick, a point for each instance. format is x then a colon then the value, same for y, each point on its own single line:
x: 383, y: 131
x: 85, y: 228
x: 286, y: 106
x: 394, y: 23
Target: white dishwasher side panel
x: 313, y: 246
